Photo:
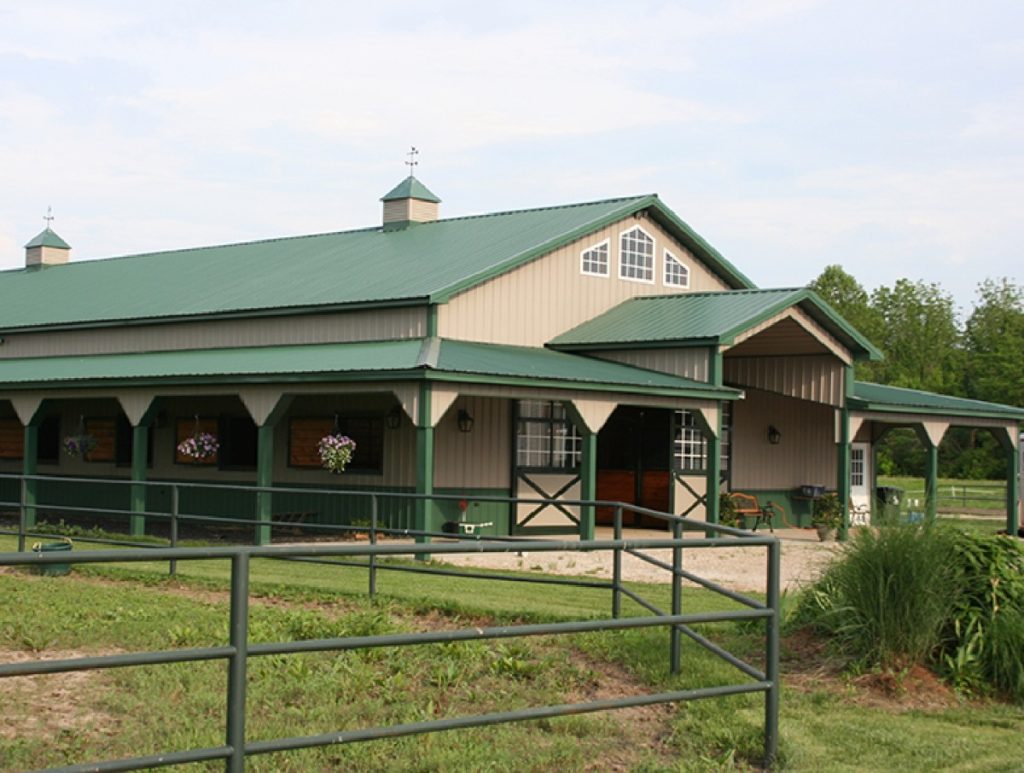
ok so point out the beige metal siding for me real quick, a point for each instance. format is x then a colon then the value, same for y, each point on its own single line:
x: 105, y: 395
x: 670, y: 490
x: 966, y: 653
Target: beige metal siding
x: 396, y: 211
x: 688, y: 363
x: 806, y: 454
x: 818, y: 378
x: 376, y: 325
x: 477, y: 459
x: 423, y: 211
x: 533, y: 303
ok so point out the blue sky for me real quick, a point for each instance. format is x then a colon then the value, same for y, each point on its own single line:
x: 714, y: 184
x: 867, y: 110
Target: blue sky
x: 887, y: 137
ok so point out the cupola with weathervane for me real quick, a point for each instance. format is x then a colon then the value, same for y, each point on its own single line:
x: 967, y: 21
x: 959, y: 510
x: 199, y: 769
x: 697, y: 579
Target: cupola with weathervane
x: 47, y: 249
x: 410, y: 201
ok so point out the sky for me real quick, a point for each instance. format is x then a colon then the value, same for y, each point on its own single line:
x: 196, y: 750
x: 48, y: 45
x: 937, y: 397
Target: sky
x: 887, y: 137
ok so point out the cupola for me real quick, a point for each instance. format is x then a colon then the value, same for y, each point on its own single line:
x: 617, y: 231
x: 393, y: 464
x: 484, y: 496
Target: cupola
x: 47, y: 249
x: 409, y: 202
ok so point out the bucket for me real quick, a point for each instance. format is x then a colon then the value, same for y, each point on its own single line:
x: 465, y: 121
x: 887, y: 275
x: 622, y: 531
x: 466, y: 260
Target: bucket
x: 52, y: 570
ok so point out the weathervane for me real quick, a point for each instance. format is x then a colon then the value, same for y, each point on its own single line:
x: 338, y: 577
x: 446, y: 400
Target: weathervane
x: 48, y: 217
x: 412, y: 162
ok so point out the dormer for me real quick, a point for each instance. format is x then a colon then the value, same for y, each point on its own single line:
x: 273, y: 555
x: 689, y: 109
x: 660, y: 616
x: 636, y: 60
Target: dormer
x: 409, y: 202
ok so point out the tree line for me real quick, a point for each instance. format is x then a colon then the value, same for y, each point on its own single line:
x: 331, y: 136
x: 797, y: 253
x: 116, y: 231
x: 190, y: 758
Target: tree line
x: 928, y: 346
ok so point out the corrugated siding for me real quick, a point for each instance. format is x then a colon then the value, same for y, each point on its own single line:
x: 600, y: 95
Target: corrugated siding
x: 791, y: 332
x: 815, y: 378
x: 688, y: 363
x: 396, y: 211
x: 532, y: 304
x: 378, y: 325
x: 806, y: 454
x: 477, y: 459
x: 423, y: 211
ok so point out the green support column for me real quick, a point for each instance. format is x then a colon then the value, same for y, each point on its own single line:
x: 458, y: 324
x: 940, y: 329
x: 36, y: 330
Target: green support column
x: 29, y: 460
x: 140, y: 460
x: 931, y: 482
x: 714, y: 470
x: 424, y: 464
x: 588, y: 483
x: 1012, y: 489
x: 264, y: 479
x: 843, y: 471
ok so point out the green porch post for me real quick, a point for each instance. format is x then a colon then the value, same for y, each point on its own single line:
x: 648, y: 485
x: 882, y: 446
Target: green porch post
x: 29, y: 461
x: 140, y: 460
x: 843, y: 471
x: 931, y: 481
x: 1006, y: 440
x: 588, y: 483
x: 264, y: 479
x: 714, y: 468
x: 424, y: 463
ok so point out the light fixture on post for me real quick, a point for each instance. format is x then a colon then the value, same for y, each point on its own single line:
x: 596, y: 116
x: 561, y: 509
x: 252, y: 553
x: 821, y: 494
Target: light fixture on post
x: 394, y: 418
x: 465, y: 421
x: 774, y: 436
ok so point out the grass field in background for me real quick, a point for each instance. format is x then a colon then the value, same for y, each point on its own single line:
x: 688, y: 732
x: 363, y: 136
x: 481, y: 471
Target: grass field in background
x: 967, y: 494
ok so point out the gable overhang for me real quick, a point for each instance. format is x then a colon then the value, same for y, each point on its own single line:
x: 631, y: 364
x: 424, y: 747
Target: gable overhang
x: 646, y: 206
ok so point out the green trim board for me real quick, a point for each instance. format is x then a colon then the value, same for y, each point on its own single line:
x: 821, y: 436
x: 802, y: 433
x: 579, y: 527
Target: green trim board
x: 890, y: 399
x: 369, y: 266
x: 431, y: 359
x: 705, y: 318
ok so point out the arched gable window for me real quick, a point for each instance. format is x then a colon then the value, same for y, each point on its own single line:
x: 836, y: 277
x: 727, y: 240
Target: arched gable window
x: 636, y: 255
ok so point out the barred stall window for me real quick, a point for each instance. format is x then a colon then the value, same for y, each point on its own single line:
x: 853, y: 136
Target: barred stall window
x: 545, y: 437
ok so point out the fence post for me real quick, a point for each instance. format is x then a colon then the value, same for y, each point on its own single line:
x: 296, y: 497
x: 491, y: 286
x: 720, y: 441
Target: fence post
x: 617, y: 566
x: 771, y: 697
x: 174, y: 525
x: 677, y: 595
x: 237, y: 662
x: 373, y: 541
x: 21, y: 518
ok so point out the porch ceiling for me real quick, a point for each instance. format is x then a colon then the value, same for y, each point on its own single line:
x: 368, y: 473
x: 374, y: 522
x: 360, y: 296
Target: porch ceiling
x: 432, y: 358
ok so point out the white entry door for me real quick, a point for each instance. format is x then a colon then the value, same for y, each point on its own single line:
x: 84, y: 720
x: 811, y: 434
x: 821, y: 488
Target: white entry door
x: 860, y: 481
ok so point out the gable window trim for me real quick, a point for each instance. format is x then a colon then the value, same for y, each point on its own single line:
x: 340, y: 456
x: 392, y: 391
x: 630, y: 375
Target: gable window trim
x: 590, y: 266
x: 675, y: 273
x: 625, y: 268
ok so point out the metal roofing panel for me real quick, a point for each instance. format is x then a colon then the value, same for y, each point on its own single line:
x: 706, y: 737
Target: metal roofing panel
x: 880, y: 397
x: 363, y: 266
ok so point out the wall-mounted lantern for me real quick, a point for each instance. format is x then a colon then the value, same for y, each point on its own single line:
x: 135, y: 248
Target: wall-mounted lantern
x: 465, y: 421
x: 774, y: 436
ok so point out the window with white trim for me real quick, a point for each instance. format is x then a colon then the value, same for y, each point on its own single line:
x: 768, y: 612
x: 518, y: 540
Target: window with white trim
x: 856, y: 467
x: 594, y: 261
x: 546, y: 439
x: 676, y: 274
x: 691, y: 447
x: 636, y: 255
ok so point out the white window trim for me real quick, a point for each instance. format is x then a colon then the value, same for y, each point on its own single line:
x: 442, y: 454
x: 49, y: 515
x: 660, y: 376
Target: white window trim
x: 607, y: 274
x: 664, y: 274
x: 654, y: 256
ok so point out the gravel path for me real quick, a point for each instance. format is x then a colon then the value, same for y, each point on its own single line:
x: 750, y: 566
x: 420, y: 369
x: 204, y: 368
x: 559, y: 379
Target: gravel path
x: 803, y: 558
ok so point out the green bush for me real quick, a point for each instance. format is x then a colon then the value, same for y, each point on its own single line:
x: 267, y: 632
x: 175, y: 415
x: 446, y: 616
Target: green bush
x: 939, y: 596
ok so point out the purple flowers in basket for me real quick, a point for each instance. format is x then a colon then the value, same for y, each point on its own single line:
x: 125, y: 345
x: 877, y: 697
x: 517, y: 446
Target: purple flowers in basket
x: 336, y: 452
x: 202, y: 445
x: 79, y: 445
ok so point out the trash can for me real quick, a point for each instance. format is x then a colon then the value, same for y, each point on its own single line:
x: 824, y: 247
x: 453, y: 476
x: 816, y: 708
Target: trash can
x: 887, y: 504
x: 52, y: 570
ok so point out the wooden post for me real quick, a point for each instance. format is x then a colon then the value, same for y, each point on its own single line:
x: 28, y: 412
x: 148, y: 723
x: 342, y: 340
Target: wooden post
x: 843, y: 471
x: 29, y: 462
x: 931, y: 481
x: 588, y: 483
x: 140, y: 461
x: 424, y: 464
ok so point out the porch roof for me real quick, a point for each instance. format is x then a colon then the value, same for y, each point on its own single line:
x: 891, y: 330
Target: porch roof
x: 705, y: 319
x: 430, y: 358
x: 890, y: 399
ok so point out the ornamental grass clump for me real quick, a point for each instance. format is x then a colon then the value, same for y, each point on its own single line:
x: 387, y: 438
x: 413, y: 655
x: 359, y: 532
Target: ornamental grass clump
x: 336, y: 452
x: 201, y: 445
x: 927, y: 595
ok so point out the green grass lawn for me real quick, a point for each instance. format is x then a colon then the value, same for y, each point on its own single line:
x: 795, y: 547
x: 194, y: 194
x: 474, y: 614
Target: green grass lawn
x: 953, y: 493
x: 829, y: 721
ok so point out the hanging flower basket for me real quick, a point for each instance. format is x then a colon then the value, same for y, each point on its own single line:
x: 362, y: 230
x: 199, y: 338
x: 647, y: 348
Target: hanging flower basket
x: 79, y: 445
x: 200, y: 446
x: 336, y: 452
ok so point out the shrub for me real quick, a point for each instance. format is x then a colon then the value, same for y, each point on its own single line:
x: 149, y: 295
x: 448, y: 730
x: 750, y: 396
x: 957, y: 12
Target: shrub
x: 940, y: 596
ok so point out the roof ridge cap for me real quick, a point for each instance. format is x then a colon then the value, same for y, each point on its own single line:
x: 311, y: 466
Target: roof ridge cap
x: 500, y: 213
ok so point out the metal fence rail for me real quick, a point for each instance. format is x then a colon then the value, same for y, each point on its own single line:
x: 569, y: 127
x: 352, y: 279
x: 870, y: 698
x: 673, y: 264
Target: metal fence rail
x: 238, y: 651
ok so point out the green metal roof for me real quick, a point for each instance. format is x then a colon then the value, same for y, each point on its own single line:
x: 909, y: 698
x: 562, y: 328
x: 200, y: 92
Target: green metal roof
x: 890, y: 399
x: 413, y: 358
x: 48, y: 238
x: 429, y: 263
x: 704, y: 319
x: 410, y: 188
